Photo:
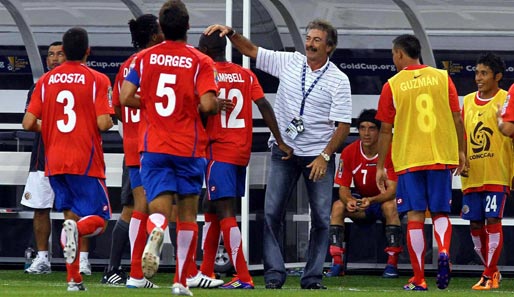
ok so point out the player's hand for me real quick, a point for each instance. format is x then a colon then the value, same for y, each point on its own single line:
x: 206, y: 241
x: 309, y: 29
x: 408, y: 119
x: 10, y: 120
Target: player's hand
x: 318, y: 168
x: 381, y: 178
x: 462, y: 166
x: 225, y: 104
x: 351, y: 205
x: 213, y: 28
x: 287, y: 150
x: 365, y: 203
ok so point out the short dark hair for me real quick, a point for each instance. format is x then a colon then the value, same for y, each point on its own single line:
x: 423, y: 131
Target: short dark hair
x: 368, y: 115
x: 409, y: 44
x: 493, y: 61
x: 326, y: 26
x: 212, y: 45
x: 75, y: 43
x: 174, y: 20
x: 55, y: 43
x: 142, y: 29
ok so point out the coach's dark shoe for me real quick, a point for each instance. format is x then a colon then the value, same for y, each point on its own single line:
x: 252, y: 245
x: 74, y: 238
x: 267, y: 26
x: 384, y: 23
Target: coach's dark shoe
x: 273, y: 284
x: 314, y: 286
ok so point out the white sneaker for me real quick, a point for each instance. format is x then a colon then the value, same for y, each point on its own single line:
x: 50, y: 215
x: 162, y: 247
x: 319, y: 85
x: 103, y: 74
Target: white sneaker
x: 152, y: 252
x: 74, y: 287
x: 179, y: 289
x: 72, y: 238
x: 134, y: 283
x: 203, y: 281
x: 40, y: 265
x: 85, y: 267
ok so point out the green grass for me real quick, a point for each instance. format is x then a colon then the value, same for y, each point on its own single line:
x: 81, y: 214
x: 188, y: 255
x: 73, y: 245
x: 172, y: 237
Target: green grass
x: 16, y: 283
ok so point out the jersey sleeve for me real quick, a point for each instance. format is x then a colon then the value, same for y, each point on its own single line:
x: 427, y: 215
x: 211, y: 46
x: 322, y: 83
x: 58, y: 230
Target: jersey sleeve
x: 453, y: 96
x: 257, y: 91
x: 117, y: 86
x: 386, y: 111
x: 508, y: 106
x: 35, y: 105
x: 206, y: 80
x: 103, y: 102
x: 344, y: 171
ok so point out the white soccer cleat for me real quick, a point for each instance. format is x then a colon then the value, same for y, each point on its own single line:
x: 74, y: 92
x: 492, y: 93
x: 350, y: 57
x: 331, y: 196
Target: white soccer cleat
x: 75, y: 287
x: 85, y: 267
x: 179, y: 290
x: 152, y: 252
x: 40, y: 265
x: 72, y: 238
x: 203, y: 281
x: 134, y: 283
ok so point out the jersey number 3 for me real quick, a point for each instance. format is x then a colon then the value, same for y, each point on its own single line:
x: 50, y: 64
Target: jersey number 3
x: 62, y: 125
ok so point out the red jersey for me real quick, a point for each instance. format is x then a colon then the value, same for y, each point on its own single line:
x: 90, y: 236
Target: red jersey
x: 172, y: 76
x: 354, y: 165
x: 230, y: 132
x: 130, y: 117
x: 508, y: 106
x: 68, y: 100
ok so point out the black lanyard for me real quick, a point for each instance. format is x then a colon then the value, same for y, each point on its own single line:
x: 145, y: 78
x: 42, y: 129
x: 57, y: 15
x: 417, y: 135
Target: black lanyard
x: 305, y: 94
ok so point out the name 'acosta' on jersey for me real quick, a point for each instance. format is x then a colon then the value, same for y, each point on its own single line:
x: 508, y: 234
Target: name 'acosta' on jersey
x: 67, y: 78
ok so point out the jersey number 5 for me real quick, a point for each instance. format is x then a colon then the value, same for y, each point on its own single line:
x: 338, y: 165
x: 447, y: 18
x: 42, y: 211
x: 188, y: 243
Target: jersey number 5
x: 233, y: 121
x: 164, y: 90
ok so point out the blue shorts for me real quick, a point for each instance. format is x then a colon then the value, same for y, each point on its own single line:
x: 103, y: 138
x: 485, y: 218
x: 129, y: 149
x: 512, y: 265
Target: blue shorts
x: 162, y: 173
x: 135, y: 177
x: 424, y: 189
x: 225, y: 180
x: 83, y: 195
x: 478, y: 206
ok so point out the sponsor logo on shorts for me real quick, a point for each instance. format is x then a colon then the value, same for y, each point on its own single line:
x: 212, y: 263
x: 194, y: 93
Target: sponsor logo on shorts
x: 465, y: 209
x: 27, y: 196
x: 213, y: 189
x: 399, y: 200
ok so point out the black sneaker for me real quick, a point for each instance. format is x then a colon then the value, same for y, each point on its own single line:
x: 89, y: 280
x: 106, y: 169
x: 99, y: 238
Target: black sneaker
x: 115, y: 276
x: 314, y: 286
x: 273, y: 284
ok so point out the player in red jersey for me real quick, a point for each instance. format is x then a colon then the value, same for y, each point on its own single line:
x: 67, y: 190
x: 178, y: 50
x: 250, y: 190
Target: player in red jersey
x: 230, y: 144
x: 366, y: 204
x: 177, y: 83
x: 505, y: 114
x: 73, y: 103
x: 146, y: 32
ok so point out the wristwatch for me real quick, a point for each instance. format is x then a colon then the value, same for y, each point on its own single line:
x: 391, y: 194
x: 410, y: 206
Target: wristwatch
x: 231, y: 33
x: 325, y: 156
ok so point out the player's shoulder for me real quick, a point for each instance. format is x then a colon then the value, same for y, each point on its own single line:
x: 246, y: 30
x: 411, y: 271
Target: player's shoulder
x: 352, y: 149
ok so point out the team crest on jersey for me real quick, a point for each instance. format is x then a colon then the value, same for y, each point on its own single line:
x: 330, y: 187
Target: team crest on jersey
x: 109, y: 96
x: 340, y: 168
x: 27, y: 196
x: 215, y: 75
